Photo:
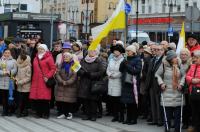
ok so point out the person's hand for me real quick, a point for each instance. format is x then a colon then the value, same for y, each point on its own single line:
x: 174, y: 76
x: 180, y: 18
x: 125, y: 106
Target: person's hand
x: 64, y: 83
x: 45, y: 79
x: 195, y: 80
x: 180, y: 87
x: 163, y: 86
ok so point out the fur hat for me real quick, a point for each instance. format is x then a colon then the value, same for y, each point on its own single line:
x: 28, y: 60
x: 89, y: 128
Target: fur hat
x: 119, y: 48
x: 170, y: 55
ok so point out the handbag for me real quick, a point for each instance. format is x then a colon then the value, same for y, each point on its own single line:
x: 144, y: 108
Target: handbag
x: 195, y: 93
x: 100, y: 87
x: 128, y: 78
x: 51, y: 82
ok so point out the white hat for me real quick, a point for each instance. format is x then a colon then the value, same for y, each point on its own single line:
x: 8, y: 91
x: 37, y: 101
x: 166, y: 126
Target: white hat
x: 43, y: 46
x: 79, y: 43
x: 137, y: 46
x: 132, y: 48
x: 120, y: 42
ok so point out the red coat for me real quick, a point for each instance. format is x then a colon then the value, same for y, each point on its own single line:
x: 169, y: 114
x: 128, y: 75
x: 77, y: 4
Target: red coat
x: 196, y: 47
x: 39, y: 90
x: 190, y: 75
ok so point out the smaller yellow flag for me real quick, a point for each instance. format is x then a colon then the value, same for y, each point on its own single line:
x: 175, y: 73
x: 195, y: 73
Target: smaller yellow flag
x: 76, y: 66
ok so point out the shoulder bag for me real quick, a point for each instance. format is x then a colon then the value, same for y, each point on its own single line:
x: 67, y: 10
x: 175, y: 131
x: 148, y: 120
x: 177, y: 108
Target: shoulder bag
x: 195, y: 93
x: 51, y: 82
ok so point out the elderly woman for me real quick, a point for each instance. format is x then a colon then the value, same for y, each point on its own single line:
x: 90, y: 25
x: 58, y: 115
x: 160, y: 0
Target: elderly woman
x: 43, y: 69
x: 66, y: 90
x: 185, y: 64
x: 130, y: 67
x: 77, y: 49
x: 169, y: 78
x: 8, y: 68
x: 193, y: 80
x: 90, y: 72
x: 114, y: 82
x: 23, y: 82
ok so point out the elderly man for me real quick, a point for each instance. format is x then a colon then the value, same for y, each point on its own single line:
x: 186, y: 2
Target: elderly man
x: 152, y: 84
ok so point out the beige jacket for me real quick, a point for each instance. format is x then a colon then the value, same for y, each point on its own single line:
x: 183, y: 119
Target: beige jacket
x: 23, y: 76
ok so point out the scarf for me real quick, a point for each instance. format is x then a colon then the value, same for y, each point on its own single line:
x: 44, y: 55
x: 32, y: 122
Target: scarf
x: 67, y: 66
x: 116, y: 58
x: 175, y: 76
x: 90, y: 59
x: 40, y: 56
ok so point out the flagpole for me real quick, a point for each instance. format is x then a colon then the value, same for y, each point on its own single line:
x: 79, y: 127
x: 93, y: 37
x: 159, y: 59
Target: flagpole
x: 126, y: 27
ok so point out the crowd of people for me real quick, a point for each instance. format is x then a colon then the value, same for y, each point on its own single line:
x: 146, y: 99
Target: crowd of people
x: 147, y: 80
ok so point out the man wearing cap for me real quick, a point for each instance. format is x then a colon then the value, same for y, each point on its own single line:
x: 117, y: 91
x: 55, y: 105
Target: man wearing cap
x: 2, y: 46
x: 192, y: 43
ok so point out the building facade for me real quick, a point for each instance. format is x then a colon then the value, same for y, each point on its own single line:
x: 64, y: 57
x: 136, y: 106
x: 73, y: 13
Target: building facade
x: 32, y: 6
x: 158, y: 16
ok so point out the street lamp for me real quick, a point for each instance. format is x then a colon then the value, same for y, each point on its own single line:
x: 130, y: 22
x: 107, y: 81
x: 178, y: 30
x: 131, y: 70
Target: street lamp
x: 86, y: 35
x: 170, y: 4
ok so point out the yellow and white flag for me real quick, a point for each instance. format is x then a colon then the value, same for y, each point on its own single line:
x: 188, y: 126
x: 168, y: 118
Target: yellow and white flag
x: 181, y: 41
x: 116, y: 21
x: 76, y: 66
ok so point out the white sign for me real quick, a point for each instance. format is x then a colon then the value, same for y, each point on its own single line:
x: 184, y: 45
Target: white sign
x: 20, y: 16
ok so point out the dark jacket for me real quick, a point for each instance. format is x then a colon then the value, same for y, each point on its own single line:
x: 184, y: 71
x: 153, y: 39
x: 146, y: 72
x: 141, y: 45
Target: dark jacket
x: 133, y: 66
x: 89, y: 74
x: 68, y: 92
x: 151, y: 81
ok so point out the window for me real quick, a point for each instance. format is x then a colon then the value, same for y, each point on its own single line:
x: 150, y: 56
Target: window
x: 195, y: 4
x: 83, y: 1
x: 23, y: 7
x: 149, y: 9
x: 186, y: 5
x: 92, y: 17
x: 143, y: 1
x: 163, y: 8
x: 143, y: 9
x: 178, y: 8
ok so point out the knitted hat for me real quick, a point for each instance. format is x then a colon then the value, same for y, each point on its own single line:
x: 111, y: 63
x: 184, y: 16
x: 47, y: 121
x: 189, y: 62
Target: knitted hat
x: 119, y: 48
x: 170, y: 55
x: 137, y: 46
x: 67, y: 45
x: 148, y: 50
x: 43, y: 46
x: 132, y: 48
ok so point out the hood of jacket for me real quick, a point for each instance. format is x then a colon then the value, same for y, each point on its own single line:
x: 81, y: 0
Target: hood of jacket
x: 21, y: 63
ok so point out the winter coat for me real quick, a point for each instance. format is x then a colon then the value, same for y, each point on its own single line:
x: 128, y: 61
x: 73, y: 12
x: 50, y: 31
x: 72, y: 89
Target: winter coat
x: 11, y: 65
x: 151, y: 80
x: 2, y: 48
x: 133, y: 66
x: 196, y: 47
x: 23, y: 76
x: 164, y: 74
x: 145, y: 67
x: 114, y: 83
x: 68, y: 92
x: 39, y: 90
x: 190, y: 75
x: 95, y: 69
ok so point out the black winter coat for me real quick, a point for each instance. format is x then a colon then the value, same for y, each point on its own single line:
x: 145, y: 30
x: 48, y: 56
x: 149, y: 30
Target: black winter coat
x: 89, y: 74
x: 133, y: 66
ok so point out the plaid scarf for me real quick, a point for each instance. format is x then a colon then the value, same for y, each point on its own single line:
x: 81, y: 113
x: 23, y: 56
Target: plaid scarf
x: 175, y: 76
